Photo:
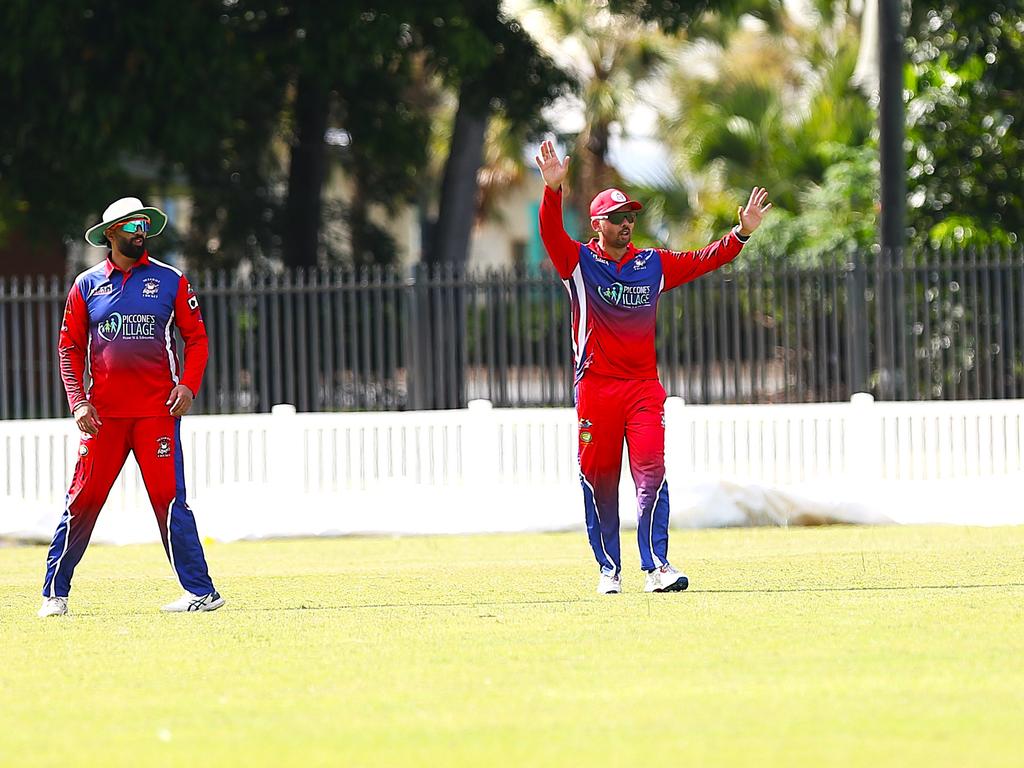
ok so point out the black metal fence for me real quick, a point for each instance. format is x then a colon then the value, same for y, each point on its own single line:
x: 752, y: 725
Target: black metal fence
x: 908, y: 326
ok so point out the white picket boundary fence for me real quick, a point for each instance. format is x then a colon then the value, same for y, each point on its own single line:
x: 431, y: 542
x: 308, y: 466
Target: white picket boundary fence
x: 513, y: 469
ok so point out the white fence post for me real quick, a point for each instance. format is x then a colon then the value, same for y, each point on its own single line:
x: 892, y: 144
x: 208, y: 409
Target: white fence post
x: 676, y: 460
x: 287, y: 451
x: 480, y: 446
x: 864, y: 438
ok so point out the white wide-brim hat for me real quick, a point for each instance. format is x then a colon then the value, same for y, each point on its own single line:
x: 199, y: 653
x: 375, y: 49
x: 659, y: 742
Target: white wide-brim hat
x: 122, y: 209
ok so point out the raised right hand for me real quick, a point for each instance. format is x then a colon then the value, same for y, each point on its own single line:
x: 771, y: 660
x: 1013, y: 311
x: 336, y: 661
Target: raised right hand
x: 87, y: 418
x: 552, y: 169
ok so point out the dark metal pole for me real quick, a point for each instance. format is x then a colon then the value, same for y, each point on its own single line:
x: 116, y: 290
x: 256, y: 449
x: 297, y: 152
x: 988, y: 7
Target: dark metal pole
x: 892, y: 224
x: 892, y: 220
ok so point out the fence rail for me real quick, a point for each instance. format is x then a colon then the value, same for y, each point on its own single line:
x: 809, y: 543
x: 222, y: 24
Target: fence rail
x: 903, y: 326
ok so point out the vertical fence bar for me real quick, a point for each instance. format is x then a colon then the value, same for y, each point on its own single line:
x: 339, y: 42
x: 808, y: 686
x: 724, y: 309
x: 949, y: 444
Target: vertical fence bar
x: 685, y: 293
x: 990, y: 315
x: 764, y: 312
x: 1012, y: 353
x: 17, y: 337
x: 836, y: 390
x: 376, y: 291
x: 365, y: 344
x: 737, y: 346
x: 32, y: 332
x: 998, y: 326
x: 493, y: 331
x: 6, y: 364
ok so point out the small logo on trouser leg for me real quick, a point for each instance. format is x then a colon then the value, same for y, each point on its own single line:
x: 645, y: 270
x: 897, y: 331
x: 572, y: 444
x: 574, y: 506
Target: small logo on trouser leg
x: 163, y: 447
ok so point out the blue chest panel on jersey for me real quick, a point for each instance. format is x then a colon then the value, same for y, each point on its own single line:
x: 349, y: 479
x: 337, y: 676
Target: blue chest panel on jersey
x: 136, y: 307
x: 633, y: 287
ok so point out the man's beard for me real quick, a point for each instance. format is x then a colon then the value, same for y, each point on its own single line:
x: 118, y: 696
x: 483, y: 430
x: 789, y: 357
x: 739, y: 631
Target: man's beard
x: 133, y: 251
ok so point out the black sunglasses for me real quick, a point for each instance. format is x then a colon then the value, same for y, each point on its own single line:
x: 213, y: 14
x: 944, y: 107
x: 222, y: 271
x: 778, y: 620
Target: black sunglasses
x: 619, y: 216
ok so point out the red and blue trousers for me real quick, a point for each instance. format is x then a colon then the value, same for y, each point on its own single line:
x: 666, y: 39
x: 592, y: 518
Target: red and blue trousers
x: 156, y: 443
x: 615, y: 412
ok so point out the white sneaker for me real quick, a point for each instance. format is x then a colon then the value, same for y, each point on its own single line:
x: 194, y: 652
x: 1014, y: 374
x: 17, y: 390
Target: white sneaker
x: 53, y: 606
x: 666, y: 579
x: 609, y: 584
x: 189, y: 603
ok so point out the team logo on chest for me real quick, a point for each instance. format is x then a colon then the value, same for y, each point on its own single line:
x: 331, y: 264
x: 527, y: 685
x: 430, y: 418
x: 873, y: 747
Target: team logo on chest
x: 639, y: 262
x: 150, y: 288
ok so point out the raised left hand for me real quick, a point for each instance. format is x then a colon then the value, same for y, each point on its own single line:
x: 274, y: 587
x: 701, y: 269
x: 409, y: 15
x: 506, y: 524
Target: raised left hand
x: 753, y: 213
x: 180, y: 400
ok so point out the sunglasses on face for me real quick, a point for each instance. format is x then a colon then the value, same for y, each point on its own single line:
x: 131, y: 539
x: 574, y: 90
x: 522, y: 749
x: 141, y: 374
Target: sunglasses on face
x: 619, y: 216
x: 135, y: 226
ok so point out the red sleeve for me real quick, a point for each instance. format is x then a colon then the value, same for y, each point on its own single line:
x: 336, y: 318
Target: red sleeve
x: 72, y: 346
x: 680, y: 267
x: 189, y: 320
x: 563, y: 251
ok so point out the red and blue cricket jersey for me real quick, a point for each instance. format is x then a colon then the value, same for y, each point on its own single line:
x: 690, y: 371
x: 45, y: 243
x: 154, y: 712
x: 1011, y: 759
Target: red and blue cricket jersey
x: 614, y: 304
x: 618, y: 396
x: 120, y: 326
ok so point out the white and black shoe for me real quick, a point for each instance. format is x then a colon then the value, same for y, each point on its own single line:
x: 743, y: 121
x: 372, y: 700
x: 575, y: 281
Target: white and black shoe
x: 609, y: 583
x: 53, y: 606
x: 666, y: 579
x: 189, y: 603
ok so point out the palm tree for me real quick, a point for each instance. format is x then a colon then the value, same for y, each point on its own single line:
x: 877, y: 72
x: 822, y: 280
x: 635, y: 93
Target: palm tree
x: 611, y: 56
x: 765, y: 106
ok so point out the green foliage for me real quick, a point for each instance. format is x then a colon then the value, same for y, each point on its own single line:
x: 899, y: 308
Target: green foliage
x: 776, y: 110
x: 834, y: 218
x: 198, y: 98
x: 965, y: 182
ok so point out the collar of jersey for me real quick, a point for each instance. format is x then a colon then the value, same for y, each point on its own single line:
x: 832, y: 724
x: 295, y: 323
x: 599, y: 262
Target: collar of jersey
x: 109, y: 267
x: 631, y: 251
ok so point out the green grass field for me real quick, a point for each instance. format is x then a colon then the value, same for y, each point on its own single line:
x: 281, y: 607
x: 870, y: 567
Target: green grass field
x: 827, y: 646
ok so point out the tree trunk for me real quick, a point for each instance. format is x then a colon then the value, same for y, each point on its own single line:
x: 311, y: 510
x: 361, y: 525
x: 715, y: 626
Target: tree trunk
x: 306, y: 174
x: 459, y: 188
x: 443, y: 315
x: 594, y: 174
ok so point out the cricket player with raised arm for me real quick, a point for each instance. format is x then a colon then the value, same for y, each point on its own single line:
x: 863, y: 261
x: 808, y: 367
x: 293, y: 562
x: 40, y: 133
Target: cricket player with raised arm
x: 614, y: 289
x: 119, y: 324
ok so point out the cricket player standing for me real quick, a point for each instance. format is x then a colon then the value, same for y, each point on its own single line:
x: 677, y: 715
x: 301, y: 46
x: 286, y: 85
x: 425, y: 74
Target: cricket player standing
x: 119, y: 323
x: 614, y: 288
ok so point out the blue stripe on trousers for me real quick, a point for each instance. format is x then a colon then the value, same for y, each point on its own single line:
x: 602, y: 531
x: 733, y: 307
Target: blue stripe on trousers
x: 652, y: 531
x: 52, y: 586
x: 605, y: 547
x: 182, y: 536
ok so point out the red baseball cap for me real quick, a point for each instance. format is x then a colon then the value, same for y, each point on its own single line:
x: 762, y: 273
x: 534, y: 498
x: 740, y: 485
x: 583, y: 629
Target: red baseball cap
x: 612, y: 200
